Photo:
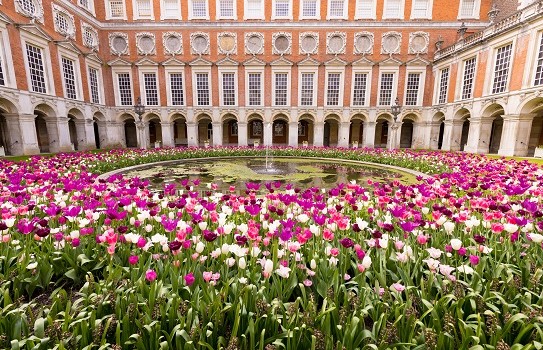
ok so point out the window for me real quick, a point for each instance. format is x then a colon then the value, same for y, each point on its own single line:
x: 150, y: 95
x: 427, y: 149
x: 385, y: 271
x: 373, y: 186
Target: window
x: 539, y: 69
x: 365, y: 9
x: 226, y: 9
x: 253, y: 9
x: 93, y: 81
x: 228, y: 89
x: 125, y: 89
x: 307, y: 89
x: 151, y: 92
x: 202, y: 89
x: 255, y: 89
x: 385, y: 93
x: 336, y: 8
x: 170, y: 9
x: 421, y: 9
x: 468, y: 9
x: 412, y: 90
x: 27, y: 6
x: 501, y: 69
x: 443, y: 86
x: 36, y: 69
x: 89, y: 37
x: 332, y: 93
x: 116, y: 8
x: 393, y: 9
x: 69, y: 78
x: 281, y: 86
x: 281, y: 9
x: 87, y: 4
x: 310, y: 8
x: 176, y: 89
x: 199, y: 8
x: 469, y: 74
x: 62, y: 23
x: 143, y: 9
x: 359, y: 89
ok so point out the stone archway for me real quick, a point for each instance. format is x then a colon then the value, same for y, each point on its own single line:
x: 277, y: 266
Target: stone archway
x: 130, y: 132
x: 356, y: 130
x: 230, y: 130
x: 437, y: 131
x: 534, y: 108
x: 4, y: 142
x: 406, y: 134
x: 205, y: 130
x: 280, y: 130
x: 490, y: 129
x: 331, y: 130
x: 382, y: 132
x: 465, y: 133
x: 255, y: 129
x: 180, y: 134
x: 306, y: 129
x: 154, y: 129
x: 42, y: 132
x: 72, y: 128
x: 99, y: 130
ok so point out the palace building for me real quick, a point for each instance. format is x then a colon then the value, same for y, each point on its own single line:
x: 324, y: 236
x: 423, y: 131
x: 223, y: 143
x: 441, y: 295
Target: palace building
x: 467, y: 74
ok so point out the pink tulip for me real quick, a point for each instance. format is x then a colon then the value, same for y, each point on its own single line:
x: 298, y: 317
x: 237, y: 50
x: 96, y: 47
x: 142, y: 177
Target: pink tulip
x: 150, y: 275
x: 189, y: 279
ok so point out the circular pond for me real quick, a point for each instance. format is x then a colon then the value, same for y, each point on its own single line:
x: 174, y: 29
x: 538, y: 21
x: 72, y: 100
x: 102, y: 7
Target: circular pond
x: 301, y: 172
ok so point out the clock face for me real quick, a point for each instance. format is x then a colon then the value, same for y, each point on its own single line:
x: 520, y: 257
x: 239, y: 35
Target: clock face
x: 254, y: 44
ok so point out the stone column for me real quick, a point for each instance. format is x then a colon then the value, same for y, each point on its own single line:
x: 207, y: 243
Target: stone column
x: 242, y: 134
x: 516, y: 135
x: 318, y: 134
x: 433, y: 141
x: 293, y: 134
x: 267, y: 133
x: 167, y: 134
x: 418, y: 137
x: 217, y: 133
x: 84, y: 134
x: 21, y: 134
x: 343, y: 134
x: 192, y: 134
x: 369, y: 134
x: 452, y: 135
x: 479, y: 135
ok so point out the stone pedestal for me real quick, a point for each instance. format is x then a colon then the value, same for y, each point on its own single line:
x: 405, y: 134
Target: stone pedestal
x: 217, y: 134
x: 242, y: 134
x: 479, y: 135
x: 369, y: 134
x: 516, y: 135
x: 167, y: 134
x: 192, y: 134
x: 21, y: 135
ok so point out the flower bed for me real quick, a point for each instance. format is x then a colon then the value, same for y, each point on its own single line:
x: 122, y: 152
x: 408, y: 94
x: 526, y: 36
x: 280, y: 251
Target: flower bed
x: 452, y: 262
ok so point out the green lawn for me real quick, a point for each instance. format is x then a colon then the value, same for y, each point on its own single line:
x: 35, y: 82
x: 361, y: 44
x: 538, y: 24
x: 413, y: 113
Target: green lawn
x: 538, y: 161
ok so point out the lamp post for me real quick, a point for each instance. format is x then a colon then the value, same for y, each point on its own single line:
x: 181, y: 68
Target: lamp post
x: 395, y: 110
x: 139, y: 109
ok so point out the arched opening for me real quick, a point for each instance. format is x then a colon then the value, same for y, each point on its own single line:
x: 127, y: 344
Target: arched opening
x: 4, y: 140
x: 381, y: 133
x: 205, y: 130
x: 180, y: 134
x: 130, y: 133
x: 535, y: 140
x: 406, y: 134
x: 306, y: 128
x: 155, y: 132
x: 72, y: 128
x: 465, y: 133
x: 440, y: 136
x: 42, y: 133
x: 230, y: 130
x: 280, y: 131
x: 255, y: 130
x: 496, y: 134
x: 331, y: 131
x: 356, y: 130
x: 96, y: 131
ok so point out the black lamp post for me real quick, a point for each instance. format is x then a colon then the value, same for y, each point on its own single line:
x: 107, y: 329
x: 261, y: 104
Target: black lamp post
x: 139, y: 108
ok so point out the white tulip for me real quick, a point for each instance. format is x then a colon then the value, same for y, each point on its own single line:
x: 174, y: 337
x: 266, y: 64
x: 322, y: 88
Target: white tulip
x: 366, y: 262
x: 200, y: 247
x: 456, y: 243
x: 242, y: 263
x: 536, y: 237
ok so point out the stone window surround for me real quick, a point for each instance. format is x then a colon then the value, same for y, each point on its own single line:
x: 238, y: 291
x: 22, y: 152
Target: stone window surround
x: 234, y: 70
x: 362, y: 70
x: 422, y: 81
x: 62, y: 52
x: 141, y: 71
x: 48, y: 69
x: 388, y: 69
x: 96, y: 66
x: 175, y: 70
x: 315, y: 71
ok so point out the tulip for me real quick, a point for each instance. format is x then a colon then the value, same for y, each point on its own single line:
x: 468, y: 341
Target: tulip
x: 456, y: 244
x: 474, y: 259
x: 189, y: 279
x: 150, y: 275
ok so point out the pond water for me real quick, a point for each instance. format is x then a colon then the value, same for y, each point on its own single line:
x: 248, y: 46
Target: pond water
x: 301, y: 172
